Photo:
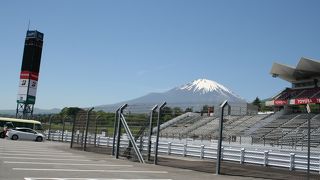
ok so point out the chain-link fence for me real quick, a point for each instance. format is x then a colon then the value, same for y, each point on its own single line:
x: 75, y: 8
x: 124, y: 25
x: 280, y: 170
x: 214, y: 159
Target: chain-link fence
x: 251, y: 143
x: 255, y: 145
x: 57, y: 127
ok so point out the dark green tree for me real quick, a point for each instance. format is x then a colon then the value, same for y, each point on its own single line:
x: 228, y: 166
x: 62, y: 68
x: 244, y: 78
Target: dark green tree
x: 257, y: 102
x: 188, y: 109
x: 205, y: 108
x: 177, y: 111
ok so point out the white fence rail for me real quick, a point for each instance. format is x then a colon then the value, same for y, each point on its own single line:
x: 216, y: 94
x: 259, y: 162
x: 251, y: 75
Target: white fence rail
x: 292, y: 161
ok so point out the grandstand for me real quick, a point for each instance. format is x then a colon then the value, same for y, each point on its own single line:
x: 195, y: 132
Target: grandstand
x: 286, y: 126
x: 305, y: 86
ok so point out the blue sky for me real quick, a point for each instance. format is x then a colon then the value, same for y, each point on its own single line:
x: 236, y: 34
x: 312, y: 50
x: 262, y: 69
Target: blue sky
x: 102, y: 52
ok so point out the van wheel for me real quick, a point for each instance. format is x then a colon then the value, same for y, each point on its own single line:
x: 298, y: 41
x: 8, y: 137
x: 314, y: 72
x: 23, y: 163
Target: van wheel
x: 14, y: 137
x: 2, y: 135
x: 39, y: 139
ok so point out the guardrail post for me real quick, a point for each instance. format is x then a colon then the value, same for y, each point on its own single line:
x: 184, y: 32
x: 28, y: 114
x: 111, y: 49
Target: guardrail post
x: 59, y: 137
x: 242, y: 151
x: 169, y: 148
x: 319, y: 164
x: 49, y: 132
x: 185, y: 150
x: 202, y: 152
x: 89, y: 142
x: 73, y: 128
x: 66, y: 137
x: 108, y: 139
x: 154, y: 146
x: 222, y: 152
x: 63, y: 128
x: 265, y: 160
x: 292, y: 157
x: 98, y: 143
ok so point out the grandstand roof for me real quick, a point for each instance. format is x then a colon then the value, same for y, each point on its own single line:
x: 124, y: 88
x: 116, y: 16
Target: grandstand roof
x: 306, y: 69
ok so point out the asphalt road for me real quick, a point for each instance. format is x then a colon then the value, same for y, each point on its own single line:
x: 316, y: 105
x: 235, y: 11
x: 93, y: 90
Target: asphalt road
x: 27, y: 160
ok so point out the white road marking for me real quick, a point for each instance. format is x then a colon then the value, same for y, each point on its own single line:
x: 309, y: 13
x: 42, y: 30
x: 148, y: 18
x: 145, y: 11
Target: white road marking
x: 31, y: 178
x: 88, y: 170
x: 40, y: 152
x: 40, y: 155
x: 46, y: 159
x: 66, y: 164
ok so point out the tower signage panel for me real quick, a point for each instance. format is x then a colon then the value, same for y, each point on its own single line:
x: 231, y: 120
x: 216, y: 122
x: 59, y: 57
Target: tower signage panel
x: 30, y: 67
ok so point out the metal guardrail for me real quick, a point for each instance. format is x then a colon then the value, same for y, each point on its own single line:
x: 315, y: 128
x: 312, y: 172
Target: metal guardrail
x: 292, y: 161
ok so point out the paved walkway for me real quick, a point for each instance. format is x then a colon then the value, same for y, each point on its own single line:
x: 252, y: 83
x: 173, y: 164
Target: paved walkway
x: 27, y: 160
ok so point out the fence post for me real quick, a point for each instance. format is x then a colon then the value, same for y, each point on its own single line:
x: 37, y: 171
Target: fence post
x: 98, y: 143
x: 242, y: 151
x: 87, y: 128
x: 158, y: 133
x: 265, y: 160
x: 169, y: 148
x: 219, y: 147
x: 184, y: 150
x: 117, y: 150
x: 150, y: 132
x: 114, y: 132
x: 292, y: 157
x: 202, y: 152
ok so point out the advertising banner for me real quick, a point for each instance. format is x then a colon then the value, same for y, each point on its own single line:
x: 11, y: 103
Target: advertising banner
x: 306, y: 101
x: 280, y: 102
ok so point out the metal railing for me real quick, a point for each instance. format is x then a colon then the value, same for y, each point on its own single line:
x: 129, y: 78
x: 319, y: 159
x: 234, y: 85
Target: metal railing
x: 245, y: 154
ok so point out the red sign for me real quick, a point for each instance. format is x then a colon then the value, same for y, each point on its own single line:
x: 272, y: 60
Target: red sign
x: 307, y: 101
x: 27, y: 74
x: 280, y: 102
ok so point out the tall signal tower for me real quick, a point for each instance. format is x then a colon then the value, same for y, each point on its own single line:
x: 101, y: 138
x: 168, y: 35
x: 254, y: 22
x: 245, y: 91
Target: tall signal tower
x: 29, y: 74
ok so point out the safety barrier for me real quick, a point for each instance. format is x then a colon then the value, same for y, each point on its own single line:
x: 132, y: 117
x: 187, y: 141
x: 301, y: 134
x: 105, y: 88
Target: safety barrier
x: 292, y: 161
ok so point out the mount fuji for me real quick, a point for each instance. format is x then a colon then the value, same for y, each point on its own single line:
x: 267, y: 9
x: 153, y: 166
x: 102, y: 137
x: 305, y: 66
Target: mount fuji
x: 198, y: 92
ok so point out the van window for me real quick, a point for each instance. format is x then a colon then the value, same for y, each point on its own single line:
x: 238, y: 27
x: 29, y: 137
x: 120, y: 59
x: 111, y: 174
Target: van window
x: 38, y: 127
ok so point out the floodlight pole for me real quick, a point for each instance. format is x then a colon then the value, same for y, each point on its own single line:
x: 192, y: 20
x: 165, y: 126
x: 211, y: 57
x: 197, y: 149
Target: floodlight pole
x: 115, y: 130
x: 119, y: 129
x: 150, y: 131
x: 158, y: 133
x: 222, y: 106
x: 87, y: 127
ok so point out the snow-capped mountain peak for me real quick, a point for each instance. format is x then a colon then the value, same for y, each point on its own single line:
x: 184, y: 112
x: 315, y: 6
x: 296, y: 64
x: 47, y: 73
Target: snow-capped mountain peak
x: 204, y: 86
